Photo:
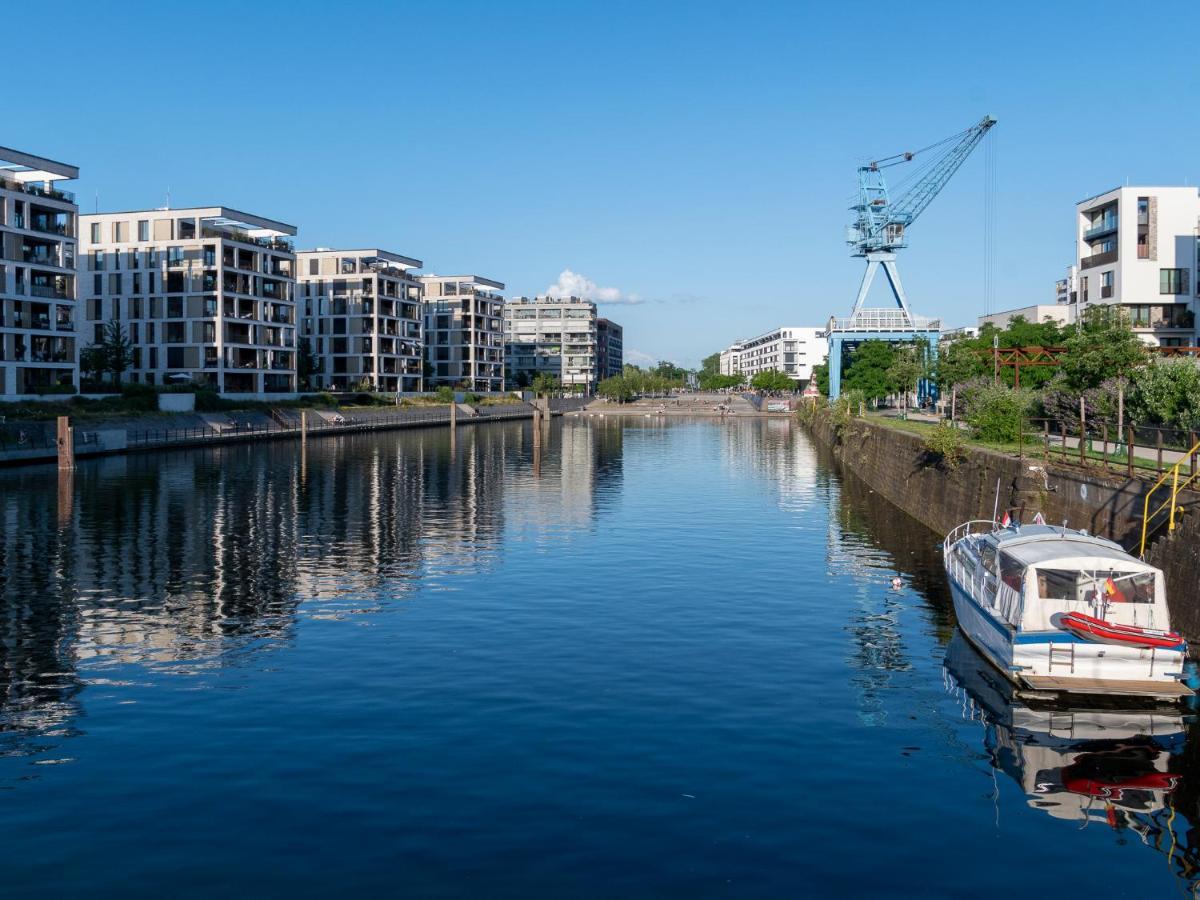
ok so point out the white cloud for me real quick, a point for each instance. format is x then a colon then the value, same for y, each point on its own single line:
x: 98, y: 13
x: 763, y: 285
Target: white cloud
x: 572, y: 284
x: 638, y: 358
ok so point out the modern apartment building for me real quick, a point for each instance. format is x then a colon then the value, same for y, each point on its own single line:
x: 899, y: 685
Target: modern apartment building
x: 793, y: 351
x: 730, y: 359
x: 1137, y: 247
x: 464, y: 339
x: 205, y: 295
x: 38, y: 223
x: 361, y: 318
x: 551, y: 335
x: 610, y: 349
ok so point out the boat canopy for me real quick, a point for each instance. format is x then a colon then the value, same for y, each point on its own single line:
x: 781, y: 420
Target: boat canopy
x: 1048, y: 547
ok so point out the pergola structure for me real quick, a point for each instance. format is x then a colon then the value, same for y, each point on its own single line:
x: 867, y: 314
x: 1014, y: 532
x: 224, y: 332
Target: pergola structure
x: 1016, y: 357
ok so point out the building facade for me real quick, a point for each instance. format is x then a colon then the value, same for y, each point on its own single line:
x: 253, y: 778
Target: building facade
x: 38, y: 282
x: 361, y: 319
x: 1136, y: 247
x: 610, y: 349
x: 205, y: 295
x: 553, y: 336
x: 793, y: 351
x: 464, y: 332
x: 1055, y: 312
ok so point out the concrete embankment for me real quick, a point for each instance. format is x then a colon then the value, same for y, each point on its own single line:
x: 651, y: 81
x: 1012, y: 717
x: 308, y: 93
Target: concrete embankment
x: 34, y: 443
x: 897, y: 466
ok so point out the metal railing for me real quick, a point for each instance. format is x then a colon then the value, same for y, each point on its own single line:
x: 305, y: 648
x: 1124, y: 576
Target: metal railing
x: 1111, y: 448
x: 1171, y: 504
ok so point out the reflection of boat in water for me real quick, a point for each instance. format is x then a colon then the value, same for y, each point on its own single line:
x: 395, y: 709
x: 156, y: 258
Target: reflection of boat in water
x: 1063, y: 611
x: 1085, y: 763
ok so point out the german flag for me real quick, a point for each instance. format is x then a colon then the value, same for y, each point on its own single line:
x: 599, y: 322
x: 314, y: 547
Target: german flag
x: 1110, y: 586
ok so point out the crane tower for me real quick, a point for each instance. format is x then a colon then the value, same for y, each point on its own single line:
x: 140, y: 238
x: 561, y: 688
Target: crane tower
x: 880, y: 228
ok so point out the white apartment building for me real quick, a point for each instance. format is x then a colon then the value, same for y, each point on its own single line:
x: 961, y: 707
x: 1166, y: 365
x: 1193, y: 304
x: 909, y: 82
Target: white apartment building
x: 1137, y: 247
x: 205, y: 294
x: 464, y: 339
x: 730, y: 359
x: 554, y: 336
x: 361, y: 319
x: 38, y: 222
x: 793, y: 351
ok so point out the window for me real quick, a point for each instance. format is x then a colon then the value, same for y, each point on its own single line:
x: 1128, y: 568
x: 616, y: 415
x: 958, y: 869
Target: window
x: 314, y: 267
x: 1106, y: 284
x: 95, y: 232
x: 120, y: 232
x: 1083, y: 289
x: 143, y: 230
x: 97, y: 260
x: 1172, y: 281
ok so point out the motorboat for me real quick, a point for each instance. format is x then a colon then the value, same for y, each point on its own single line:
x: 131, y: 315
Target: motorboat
x: 1059, y: 610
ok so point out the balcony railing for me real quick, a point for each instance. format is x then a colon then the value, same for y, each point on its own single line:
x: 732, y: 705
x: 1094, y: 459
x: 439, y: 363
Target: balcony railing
x: 52, y: 293
x: 37, y: 190
x: 1098, y: 259
x: 1104, y: 226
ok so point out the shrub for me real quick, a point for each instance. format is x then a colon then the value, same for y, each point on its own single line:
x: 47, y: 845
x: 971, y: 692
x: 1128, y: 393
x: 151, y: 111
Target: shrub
x: 471, y: 398
x: 445, y: 394
x: 1167, y: 392
x: 947, y: 444
x: 994, y: 413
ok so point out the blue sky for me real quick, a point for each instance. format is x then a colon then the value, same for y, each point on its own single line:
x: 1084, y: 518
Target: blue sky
x: 695, y: 159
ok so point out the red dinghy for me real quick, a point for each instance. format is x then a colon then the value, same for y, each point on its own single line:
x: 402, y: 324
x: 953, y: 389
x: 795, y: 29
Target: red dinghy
x: 1092, y: 629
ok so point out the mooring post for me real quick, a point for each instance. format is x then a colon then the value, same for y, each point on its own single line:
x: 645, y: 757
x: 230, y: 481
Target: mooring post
x: 453, y: 415
x: 304, y: 425
x: 66, y: 443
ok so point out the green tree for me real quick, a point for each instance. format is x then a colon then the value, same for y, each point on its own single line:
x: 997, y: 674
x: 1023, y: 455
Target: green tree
x: 772, y: 380
x: 820, y: 375
x: 306, y: 364
x: 868, y: 370
x: 959, y: 362
x: 615, y: 388
x: 907, y: 368
x: 93, y: 362
x: 670, y: 371
x: 545, y: 384
x: 710, y: 365
x: 1166, y: 392
x: 1102, y: 347
x: 118, y: 350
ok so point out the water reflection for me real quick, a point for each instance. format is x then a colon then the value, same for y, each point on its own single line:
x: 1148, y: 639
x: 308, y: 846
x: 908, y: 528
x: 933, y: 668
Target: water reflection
x: 1097, y: 765
x: 181, y: 560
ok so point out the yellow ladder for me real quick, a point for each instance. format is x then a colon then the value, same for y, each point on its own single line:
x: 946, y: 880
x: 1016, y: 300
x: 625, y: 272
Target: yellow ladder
x: 1171, y: 503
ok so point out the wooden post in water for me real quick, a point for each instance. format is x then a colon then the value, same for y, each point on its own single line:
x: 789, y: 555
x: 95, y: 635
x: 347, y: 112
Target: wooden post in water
x: 66, y: 443
x: 453, y: 416
x: 66, y: 496
x: 304, y: 425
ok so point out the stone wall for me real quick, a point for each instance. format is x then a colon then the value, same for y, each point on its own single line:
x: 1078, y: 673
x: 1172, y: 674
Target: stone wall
x: 897, y: 467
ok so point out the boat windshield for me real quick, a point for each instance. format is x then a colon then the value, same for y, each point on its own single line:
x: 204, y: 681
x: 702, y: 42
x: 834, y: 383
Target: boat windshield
x: 1092, y: 585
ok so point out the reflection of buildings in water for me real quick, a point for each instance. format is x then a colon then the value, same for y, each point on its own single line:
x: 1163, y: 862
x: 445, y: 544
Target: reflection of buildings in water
x: 1099, y: 764
x: 778, y: 451
x: 579, y: 472
x: 180, y: 558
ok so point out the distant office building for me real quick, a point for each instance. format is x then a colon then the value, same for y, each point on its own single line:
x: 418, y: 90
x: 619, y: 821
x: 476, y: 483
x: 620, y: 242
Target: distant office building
x: 553, y: 336
x: 38, y: 313
x: 1055, y: 312
x: 361, y: 317
x: 793, y: 351
x: 610, y: 349
x: 1137, y: 248
x: 206, y: 295
x: 464, y: 337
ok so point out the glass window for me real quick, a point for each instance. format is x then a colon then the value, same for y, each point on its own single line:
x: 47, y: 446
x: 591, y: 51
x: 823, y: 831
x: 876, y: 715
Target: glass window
x: 1090, y: 587
x: 143, y: 233
x: 1171, y: 281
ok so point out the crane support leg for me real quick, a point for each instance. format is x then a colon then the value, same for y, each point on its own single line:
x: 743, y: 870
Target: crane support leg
x: 887, y: 260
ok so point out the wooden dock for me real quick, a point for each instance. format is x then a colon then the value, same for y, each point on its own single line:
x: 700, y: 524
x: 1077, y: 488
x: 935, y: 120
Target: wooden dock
x: 1105, y: 687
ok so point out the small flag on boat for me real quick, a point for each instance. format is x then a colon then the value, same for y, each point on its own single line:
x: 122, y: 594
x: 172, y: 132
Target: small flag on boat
x: 1110, y: 586
x: 1039, y: 519
x: 1006, y: 521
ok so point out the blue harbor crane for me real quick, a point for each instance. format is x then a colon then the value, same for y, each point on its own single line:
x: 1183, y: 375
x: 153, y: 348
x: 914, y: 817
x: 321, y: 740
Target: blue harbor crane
x: 880, y: 228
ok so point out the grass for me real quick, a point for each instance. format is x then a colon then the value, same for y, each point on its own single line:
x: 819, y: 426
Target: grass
x: 1034, y: 448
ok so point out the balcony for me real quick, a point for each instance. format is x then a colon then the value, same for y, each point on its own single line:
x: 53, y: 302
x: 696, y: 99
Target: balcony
x: 37, y: 190
x: 1098, y: 259
x: 1107, y: 225
x: 50, y: 292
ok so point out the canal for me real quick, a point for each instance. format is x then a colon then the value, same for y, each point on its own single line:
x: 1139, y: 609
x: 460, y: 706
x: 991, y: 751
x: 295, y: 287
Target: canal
x: 628, y: 658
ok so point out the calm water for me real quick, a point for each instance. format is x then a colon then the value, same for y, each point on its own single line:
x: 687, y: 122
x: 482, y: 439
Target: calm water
x: 626, y: 660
